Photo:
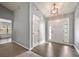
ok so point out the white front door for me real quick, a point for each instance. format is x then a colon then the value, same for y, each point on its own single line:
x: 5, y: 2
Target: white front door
x: 58, y: 30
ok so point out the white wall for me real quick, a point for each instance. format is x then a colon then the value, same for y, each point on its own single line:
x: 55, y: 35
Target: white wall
x: 21, y: 24
x: 76, y: 28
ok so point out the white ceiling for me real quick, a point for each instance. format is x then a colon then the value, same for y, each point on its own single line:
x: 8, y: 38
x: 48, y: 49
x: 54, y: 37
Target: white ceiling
x: 63, y: 8
x: 44, y: 7
x: 11, y: 5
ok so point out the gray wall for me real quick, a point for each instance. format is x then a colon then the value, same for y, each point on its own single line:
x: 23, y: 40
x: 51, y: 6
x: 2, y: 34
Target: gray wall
x: 6, y: 13
x: 21, y: 24
x: 71, y: 27
x: 76, y: 28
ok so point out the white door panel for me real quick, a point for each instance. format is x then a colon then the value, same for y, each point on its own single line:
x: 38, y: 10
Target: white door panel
x: 59, y: 30
x: 36, y: 32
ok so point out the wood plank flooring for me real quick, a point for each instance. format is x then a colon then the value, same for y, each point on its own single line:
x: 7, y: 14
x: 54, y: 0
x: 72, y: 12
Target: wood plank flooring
x: 45, y: 50
x: 55, y: 50
x: 11, y: 50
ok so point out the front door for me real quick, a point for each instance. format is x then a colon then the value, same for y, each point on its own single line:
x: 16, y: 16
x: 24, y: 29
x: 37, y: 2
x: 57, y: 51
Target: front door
x: 58, y: 30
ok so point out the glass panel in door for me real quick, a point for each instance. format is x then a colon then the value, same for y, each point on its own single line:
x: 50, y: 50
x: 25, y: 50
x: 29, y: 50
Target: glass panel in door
x: 36, y: 32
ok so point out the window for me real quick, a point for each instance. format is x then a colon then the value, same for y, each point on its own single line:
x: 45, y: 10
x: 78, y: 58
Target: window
x: 50, y: 31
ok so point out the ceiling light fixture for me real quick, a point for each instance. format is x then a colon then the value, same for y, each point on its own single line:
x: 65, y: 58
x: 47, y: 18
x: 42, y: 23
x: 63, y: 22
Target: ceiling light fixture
x: 54, y: 9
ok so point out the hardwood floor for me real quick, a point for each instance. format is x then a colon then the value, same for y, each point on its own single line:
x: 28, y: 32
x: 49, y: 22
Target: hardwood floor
x: 11, y: 50
x: 55, y: 50
x: 44, y: 50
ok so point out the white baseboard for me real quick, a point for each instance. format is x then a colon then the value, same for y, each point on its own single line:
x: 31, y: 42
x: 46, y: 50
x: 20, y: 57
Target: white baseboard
x: 61, y: 43
x: 50, y: 41
x: 76, y: 49
x: 36, y: 45
x: 20, y: 45
x: 31, y: 48
x: 7, y: 40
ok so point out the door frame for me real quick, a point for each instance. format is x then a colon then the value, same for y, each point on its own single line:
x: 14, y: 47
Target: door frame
x: 47, y: 35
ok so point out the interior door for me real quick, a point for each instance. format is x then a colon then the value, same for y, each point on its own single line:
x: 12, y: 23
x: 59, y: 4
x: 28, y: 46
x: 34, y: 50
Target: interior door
x: 36, y: 31
x: 58, y: 30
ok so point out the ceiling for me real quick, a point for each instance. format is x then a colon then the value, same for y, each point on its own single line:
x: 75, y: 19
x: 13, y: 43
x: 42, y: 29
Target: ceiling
x: 63, y: 7
x: 11, y: 5
x: 45, y: 7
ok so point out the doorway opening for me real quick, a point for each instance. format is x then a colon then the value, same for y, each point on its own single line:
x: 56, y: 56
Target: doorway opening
x: 5, y: 31
x: 38, y: 30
